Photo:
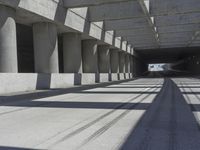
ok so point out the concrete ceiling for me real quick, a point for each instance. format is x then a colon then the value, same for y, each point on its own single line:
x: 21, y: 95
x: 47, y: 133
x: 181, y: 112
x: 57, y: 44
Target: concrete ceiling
x: 147, y: 24
x: 167, y: 55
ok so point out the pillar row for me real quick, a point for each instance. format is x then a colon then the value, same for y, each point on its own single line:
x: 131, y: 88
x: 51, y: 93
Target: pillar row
x: 121, y: 62
x: 114, y: 61
x: 104, y: 59
x: 127, y: 63
x: 8, y: 44
x: 72, y: 53
x: 45, y: 48
x: 90, y: 56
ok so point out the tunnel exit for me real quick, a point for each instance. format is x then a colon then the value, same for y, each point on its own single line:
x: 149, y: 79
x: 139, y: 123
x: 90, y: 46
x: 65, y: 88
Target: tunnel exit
x: 157, y: 67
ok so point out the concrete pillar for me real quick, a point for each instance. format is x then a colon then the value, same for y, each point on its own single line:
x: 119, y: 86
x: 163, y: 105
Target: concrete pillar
x: 90, y: 56
x: 104, y: 59
x: 8, y: 44
x: 121, y: 62
x: 127, y: 63
x: 72, y: 55
x: 45, y: 48
x: 114, y: 61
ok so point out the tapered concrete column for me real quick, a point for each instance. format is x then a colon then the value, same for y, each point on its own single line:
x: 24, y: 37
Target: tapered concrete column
x: 104, y: 59
x: 127, y: 63
x: 72, y: 53
x: 114, y: 61
x: 45, y: 48
x: 8, y: 44
x: 90, y: 56
x: 121, y: 62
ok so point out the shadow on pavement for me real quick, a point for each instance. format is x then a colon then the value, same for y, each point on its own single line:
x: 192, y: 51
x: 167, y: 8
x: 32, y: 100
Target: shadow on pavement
x: 168, y: 124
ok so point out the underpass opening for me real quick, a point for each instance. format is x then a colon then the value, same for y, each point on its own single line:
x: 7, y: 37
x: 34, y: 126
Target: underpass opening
x: 171, y: 62
x: 156, y: 67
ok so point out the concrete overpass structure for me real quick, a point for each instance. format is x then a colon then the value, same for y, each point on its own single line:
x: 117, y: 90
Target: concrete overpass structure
x: 82, y: 58
x: 71, y: 42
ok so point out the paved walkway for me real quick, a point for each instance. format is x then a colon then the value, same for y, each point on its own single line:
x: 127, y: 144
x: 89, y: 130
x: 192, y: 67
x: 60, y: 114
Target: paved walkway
x: 144, y: 114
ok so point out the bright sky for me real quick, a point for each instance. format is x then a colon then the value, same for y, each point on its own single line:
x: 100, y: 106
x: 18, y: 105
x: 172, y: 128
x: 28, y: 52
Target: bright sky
x: 156, y: 67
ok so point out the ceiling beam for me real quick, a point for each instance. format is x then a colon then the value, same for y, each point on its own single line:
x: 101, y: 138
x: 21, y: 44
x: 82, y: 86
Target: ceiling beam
x: 145, y: 5
x: 180, y: 19
x: 124, y: 24
x: 86, y: 3
x: 115, y: 11
x: 171, y: 7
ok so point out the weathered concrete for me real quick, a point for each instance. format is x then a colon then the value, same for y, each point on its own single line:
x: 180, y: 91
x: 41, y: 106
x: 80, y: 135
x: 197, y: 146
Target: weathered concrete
x: 37, y: 81
x: 117, y: 116
x: 90, y: 56
x: 45, y: 48
x: 115, y: 76
x: 72, y: 53
x: 121, y: 62
x: 8, y: 44
x: 127, y: 10
x: 77, y: 3
x: 114, y: 60
x: 132, y: 18
x: 72, y: 118
x: 104, y: 59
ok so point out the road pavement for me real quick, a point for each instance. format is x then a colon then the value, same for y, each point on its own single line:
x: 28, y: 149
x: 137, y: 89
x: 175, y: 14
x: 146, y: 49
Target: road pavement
x: 142, y: 114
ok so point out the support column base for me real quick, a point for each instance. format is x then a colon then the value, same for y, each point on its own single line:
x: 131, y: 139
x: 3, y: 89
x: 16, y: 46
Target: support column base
x: 33, y: 81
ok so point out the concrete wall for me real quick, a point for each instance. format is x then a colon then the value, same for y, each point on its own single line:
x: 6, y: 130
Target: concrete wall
x: 18, y: 82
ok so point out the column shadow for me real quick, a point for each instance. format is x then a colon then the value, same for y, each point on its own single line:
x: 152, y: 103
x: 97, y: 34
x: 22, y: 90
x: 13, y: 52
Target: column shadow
x: 77, y: 79
x: 168, y: 124
x: 15, y: 148
x: 43, y: 81
x: 29, y: 96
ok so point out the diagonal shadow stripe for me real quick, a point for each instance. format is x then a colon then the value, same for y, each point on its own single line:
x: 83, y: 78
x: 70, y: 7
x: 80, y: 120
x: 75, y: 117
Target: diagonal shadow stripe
x: 168, y: 124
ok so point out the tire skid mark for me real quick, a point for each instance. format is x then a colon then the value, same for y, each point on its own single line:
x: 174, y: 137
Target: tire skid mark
x: 145, y: 142
x: 79, y: 130
x: 172, y: 126
x: 42, y: 103
x: 66, y: 129
x: 60, y: 132
x: 112, y: 122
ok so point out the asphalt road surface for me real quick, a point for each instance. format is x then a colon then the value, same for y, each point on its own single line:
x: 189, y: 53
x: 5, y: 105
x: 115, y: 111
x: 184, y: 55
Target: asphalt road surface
x: 143, y: 114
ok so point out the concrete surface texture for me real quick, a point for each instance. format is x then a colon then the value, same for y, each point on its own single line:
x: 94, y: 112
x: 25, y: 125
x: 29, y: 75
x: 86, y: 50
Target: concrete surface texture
x: 72, y: 53
x: 121, y: 62
x: 90, y: 57
x: 140, y: 114
x: 80, y: 68
x: 104, y: 59
x: 8, y: 45
x: 45, y: 48
x: 37, y: 81
x: 114, y: 61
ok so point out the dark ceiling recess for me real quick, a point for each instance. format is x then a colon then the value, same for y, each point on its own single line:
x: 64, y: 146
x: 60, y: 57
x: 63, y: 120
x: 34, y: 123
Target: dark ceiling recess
x: 167, y: 55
